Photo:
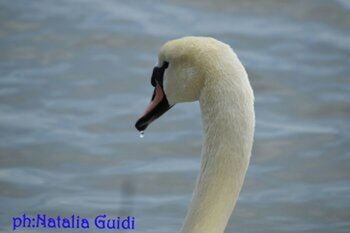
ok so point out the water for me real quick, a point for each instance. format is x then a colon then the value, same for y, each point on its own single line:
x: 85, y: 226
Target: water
x: 75, y: 77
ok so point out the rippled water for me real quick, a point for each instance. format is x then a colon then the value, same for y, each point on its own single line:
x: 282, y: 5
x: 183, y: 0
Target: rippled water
x: 75, y: 76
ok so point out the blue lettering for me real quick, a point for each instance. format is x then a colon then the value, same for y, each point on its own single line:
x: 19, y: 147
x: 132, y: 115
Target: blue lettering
x: 16, y: 222
x: 133, y: 223
x: 85, y: 223
x: 126, y: 223
x: 58, y: 222
x: 65, y: 223
x: 26, y: 221
x: 51, y: 223
x: 100, y: 221
x: 41, y: 219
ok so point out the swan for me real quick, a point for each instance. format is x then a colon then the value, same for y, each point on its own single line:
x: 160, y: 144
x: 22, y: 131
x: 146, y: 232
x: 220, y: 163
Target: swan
x: 208, y: 70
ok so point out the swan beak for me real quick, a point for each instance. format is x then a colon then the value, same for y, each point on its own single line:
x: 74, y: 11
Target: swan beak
x: 157, y: 107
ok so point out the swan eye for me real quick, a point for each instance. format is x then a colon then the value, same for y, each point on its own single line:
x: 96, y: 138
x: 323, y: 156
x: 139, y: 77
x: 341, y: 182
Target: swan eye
x: 158, y: 73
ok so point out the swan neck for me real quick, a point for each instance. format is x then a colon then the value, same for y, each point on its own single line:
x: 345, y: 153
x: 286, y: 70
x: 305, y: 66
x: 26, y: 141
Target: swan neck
x: 228, y: 127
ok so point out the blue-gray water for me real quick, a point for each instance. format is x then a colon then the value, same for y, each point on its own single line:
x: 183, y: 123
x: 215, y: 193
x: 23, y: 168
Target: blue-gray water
x: 74, y: 77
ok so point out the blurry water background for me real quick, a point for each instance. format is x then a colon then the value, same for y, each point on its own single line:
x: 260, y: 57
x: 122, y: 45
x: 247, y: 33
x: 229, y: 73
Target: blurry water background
x: 75, y: 77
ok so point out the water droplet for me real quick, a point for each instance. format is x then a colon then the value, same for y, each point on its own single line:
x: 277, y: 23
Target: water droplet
x: 142, y: 134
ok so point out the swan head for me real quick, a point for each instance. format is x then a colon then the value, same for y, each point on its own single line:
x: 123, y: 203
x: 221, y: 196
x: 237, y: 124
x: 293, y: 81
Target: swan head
x: 180, y: 74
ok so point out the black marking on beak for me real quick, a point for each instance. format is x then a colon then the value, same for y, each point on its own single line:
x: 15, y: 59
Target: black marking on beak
x: 162, y: 106
x: 155, y: 113
x: 158, y: 74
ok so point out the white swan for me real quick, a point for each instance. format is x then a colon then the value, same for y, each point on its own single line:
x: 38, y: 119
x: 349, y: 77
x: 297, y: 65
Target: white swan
x: 205, y: 69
